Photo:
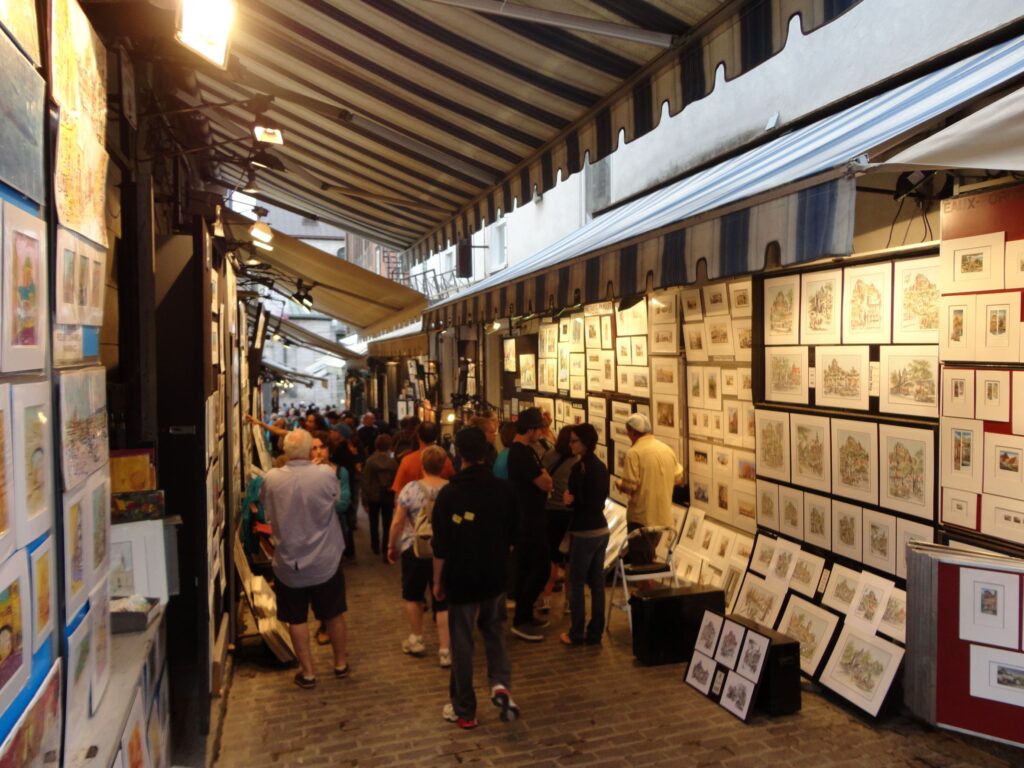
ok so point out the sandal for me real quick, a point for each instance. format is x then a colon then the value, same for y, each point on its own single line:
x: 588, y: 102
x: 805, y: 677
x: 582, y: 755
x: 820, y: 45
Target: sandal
x: 304, y: 682
x: 341, y: 672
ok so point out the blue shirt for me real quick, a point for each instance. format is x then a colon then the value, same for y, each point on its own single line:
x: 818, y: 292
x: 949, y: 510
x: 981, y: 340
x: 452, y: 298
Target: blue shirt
x: 500, y: 467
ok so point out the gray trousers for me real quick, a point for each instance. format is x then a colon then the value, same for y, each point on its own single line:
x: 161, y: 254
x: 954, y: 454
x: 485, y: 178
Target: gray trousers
x: 489, y: 616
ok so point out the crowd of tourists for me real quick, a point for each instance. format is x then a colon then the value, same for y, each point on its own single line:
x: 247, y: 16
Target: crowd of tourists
x: 500, y: 516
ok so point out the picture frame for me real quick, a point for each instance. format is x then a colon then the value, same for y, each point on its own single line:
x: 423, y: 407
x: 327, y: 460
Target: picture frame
x: 547, y: 340
x: 960, y: 508
x: 77, y: 532
x: 997, y: 327
x: 639, y: 355
x: 624, y: 351
x: 894, y: 617
x: 99, y: 612
x: 709, y: 632
x: 664, y: 340
x: 564, y: 356
x: 700, y: 671
x: 811, y: 455
x: 807, y: 573
x: 716, y: 299
x: 662, y: 309
x: 607, y: 336
x: 547, y: 375
x: 743, y: 339
x: 959, y: 441
x: 821, y: 307
x: 759, y: 601
x: 767, y: 504
x: 958, y: 392
x: 98, y: 544
x: 730, y: 382
x: 813, y: 627
x: 712, y: 388
x: 879, y: 541
x: 65, y: 296
x: 908, y: 454
x: 791, y: 512
x: 700, y: 492
x: 26, y: 318
x: 667, y: 415
x: 597, y: 407
x: 576, y: 332
x: 906, y: 532
x: 730, y: 640
x: 691, y: 304
x: 16, y: 607
x: 577, y: 364
x: 842, y: 587
x: 719, y: 336
x: 509, y: 350
x: 640, y: 381
x: 577, y: 387
x: 867, y: 304
x: 780, y: 569
x: 772, y: 444
x: 592, y: 332
x: 137, y: 560
x: 1017, y: 403
x: 855, y: 460
x: 1002, y: 518
x: 841, y: 377
x: 1004, y: 465
x: 910, y: 381
x: 972, y: 264
x: 528, y: 371
x: 994, y: 674
x: 607, y: 370
x: 741, y: 298
x: 695, y: 342
x: 83, y: 423
x: 869, y: 603
x: 763, y: 553
x: 43, y: 570
x: 847, y: 530
x: 1013, y: 256
x: 745, y: 385
x: 957, y: 327
x: 621, y: 410
x: 916, y: 301
x: 782, y: 310
x: 665, y: 376
x: 750, y: 662
x: 818, y: 520
x: 785, y: 375
x: 744, y: 470
x: 79, y: 679
x: 861, y: 668
x: 733, y: 422
x: 738, y: 695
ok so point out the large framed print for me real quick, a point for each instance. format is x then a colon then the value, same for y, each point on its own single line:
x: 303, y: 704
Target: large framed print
x: 971, y: 264
x: 812, y: 627
x: 811, y: 456
x: 782, y: 310
x: 997, y: 327
x: 759, y: 601
x: 841, y: 377
x: 957, y: 327
x: 818, y: 520
x: 960, y: 441
x: 996, y: 675
x: 695, y: 342
x: 960, y: 508
x: 508, y: 347
x: 867, y: 304
x: 958, y: 392
x: 841, y: 588
x: 990, y: 607
x: 32, y: 459
x: 820, y: 294
x: 772, y: 444
x: 664, y: 340
x: 862, y: 667
x: 741, y: 298
x: 1004, y: 465
x: 719, y: 335
x: 992, y: 395
x: 909, y: 381
x: 785, y: 374
x: 879, y: 537
x: 916, y: 302
x: 846, y: 530
x: 855, y: 460
x: 1002, y: 518
x: 908, y: 456
x: 25, y: 324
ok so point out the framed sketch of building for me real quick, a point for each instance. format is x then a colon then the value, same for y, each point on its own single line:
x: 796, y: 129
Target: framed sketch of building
x: 916, y: 301
x: 961, y: 447
x: 812, y: 627
x: 908, y: 460
x: 841, y: 377
x: 785, y: 374
x: 810, y: 452
x: 782, y: 310
x: 867, y: 304
x: 970, y: 264
x: 909, y: 380
x: 821, y: 303
x: 862, y: 667
x: 855, y: 460
x: 772, y: 444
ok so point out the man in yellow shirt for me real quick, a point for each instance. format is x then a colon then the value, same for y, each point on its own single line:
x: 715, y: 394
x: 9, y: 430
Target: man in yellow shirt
x: 649, y: 473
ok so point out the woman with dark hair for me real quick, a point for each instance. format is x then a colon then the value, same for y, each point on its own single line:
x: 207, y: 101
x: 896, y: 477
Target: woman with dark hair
x: 559, y: 462
x: 588, y: 528
x: 507, y: 435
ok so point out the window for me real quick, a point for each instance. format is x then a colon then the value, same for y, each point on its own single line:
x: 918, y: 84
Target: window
x: 497, y: 254
x: 448, y: 261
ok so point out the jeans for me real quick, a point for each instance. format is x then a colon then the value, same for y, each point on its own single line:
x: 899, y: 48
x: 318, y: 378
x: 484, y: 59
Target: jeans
x: 533, y: 568
x: 489, y: 616
x: 380, y: 514
x: 586, y: 567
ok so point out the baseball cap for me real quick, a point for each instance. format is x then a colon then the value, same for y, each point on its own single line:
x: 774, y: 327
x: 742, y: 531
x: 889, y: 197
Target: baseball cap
x: 639, y: 423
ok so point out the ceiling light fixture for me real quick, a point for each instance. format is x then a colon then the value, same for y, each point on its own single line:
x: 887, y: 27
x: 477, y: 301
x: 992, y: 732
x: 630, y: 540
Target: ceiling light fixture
x: 303, y: 294
x: 251, y: 187
x: 259, y: 230
x: 204, y: 26
x: 266, y: 130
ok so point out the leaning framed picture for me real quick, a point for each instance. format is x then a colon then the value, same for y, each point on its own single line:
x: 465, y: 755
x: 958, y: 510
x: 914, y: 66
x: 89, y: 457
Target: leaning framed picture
x: 908, y: 456
x: 972, y: 264
x: 909, y: 380
x: 916, y: 301
x: 841, y: 377
x: 26, y: 317
x: 807, y: 573
x: 782, y: 310
x: 862, y: 667
x: 785, y: 374
x: 821, y: 302
x: 812, y: 627
x: 867, y: 304
x: 841, y: 588
x: 759, y: 601
x: 700, y: 671
x: 738, y: 695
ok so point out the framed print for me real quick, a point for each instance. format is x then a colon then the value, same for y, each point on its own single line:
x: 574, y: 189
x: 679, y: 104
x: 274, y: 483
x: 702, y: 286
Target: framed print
x: 741, y: 299
x: 607, y: 370
x: 791, y: 512
x: 780, y: 570
x: 916, y: 301
x: 546, y: 405
x: 688, y: 566
x: 577, y: 364
x: 577, y: 387
x: 729, y: 642
x: 597, y: 407
x: 665, y: 375
x: 997, y: 328
x: 818, y: 520
x: 527, y: 371
x: 576, y: 332
x: 785, y: 374
x: 992, y: 395
x: 564, y: 330
x: 730, y: 382
x: 1013, y: 274
x: 83, y: 422
x: 712, y: 388
x: 640, y: 381
x: 759, y: 601
x: 564, y: 356
x: 665, y: 340
x: 98, y: 507
x: 811, y: 456
x: 782, y: 310
x: 719, y: 335
x: 908, y: 456
x: 879, y: 537
x: 738, y: 695
x: 959, y: 508
x: 708, y: 634
x: 855, y: 460
x: 989, y: 607
x: 31, y: 432
x: 846, y: 530
x: 691, y: 532
x: 618, y: 432
x: 1017, y: 403
x: 807, y: 573
x: 700, y: 492
x: 667, y: 415
x: 624, y: 351
x: 662, y: 309
x: 547, y: 340
x: 958, y: 392
x: 700, y: 671
x: 99, y: 612
x: 743, y: 339
x: 862, y: 667
x: 841, y: 588
x: 67, y: 268
x: 621, y: 411
x: 639, y: 350
x: 996, y: 675
x: 841, y: 377
x: 906, y: 532
x: 910, y: 381
x: 79, y: 678
x: 752, y: 656
x: 1002, y: 518
x: 869, y: 603
x: 44, y: 595
x: 768, y: 504
x: 812, y: 627
x: 716, y: 299
x: 692, y: 310
x: 592, y: 332
x: 733, y: 423
x: 77, y: 532
x: 772, y: 444
x: 867, y: 304
x: 744, y: 469
x: 744, y: 384
x: 746, y: 511
x: 547, y: 375
x: 957, y: 327
x: 970, y: 264
x: 607, y: 337
x: 763, y: 553
x: 894, y: 617
x: 820, y: 294
x: 1004, y: 465
x: 695, y: 341
x: 959, y: 443
x: 722, y: 547
x: 509, y: 349
x: 26, y: 314
x: 16, y: 609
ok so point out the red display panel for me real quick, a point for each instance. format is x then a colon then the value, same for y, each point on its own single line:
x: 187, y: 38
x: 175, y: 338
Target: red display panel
x: 997, y: 211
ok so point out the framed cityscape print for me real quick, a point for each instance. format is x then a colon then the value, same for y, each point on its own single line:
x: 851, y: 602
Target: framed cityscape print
x: 879, y: 537
x: 548, y: 340
x: 812, y: 627
x: 719, y: 334
x: 992, y: 395
x: 818, y: 520
x: 527, y: 371
x: 894, y: 617
x: 807, y: 573
x: 772, y: 444
x: 33, y: 457
x: 592, y: 332
x: 995, y: 675
x: 665, y: 375
x: 785, y: 374
x: 707, y: 635
x: 846, y: 530
x: 738, y: 695
x: 971, y: 264
x: 607, y: 337
x: 768, y: 504
x: 841, y: 588
x: 855, y: 460
x: 700, y: 671
x: 729, y: 642
x: 906, y: 532
x: 759, y: 601
x: 662, y: 309
x: 909, y: 380
x: 841, y: 377
x: 753, y: 655
x: 26, y: 316
x: 957, y: 327
x: 960, y: 441
x: 821, y: 296
x: 712, y: 388
x: 695, y: 341
x: 908, y: 455
x: 694, y: 387
x: 782, y: 310
x: 716, y: 299
x: 1004, y: 465
x: 667, y: 415
x: 867, y: 304
x: 664, y: 340
x: 916, y: 302
x: 692, y: 310
x: 958, y: 392
x: 811, y: 455
x: 743, y: 339
x: 764, y: 552
x: 741, y: 298
x: 862, y: 667
x: 791, y: 511
x: 997, y: 327
x: 639, y: 350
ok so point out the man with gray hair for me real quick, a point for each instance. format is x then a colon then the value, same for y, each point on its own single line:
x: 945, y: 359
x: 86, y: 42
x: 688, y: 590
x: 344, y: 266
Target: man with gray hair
x: 648, y: 474
x: 299, y: 502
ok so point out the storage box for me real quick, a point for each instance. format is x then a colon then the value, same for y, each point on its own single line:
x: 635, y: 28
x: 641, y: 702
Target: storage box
x: 666, y: 621
x: 779, y: 693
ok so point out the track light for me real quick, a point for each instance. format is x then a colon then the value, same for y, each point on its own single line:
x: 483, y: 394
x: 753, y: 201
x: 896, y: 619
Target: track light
x: 204, y: 26
x: 302, y: 295
x: 267, y: 131
x: 259, y: 230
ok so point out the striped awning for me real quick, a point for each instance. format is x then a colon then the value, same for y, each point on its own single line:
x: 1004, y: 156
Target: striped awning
x: 414, y: 122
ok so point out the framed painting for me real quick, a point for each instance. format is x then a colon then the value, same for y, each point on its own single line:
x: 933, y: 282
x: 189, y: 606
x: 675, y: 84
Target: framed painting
x: 807, y: 573
x: 785, y: 374
x: 719, y: 336
x: 959, y: 443
x: 811, y: 456
x: 741, y: 298
x: 812, y: 627
x: 971, y: 264
x: 841, y: 377
x: 818, y: 520
x: 995, y: 675
x: 32, y: 459
x: 906, y: 532
x: 958, y: 392
x: 695, y: 342
x: 692, y: 308
x: 960, y: 508
x: 716, y: 299
x: 780, y: 569
x: 66, y: 271
x: 861, y: 668
x: 665, y: 340
x: 869, y: 603
x: 894, y: 617
x: 1004, y: 465
x: 773, y: 444
x: 910, y: 381
x: 992, y: 395
x: 997, y: 329
x: 16, y: 610
x: 759, y: 601
x: 768, y: 505
x: 841, y: 588
x: 821, y: 295
x: 879, y: 540
x: 662, y: 309
x: 700, y: 671
x: 867, y: 304
x: 25, y: 323
x: 527, y: 371
x: 908, y: 455
x: 1002, y: 518
x: 855, y: 460
x: 83, y: 421
x: 782, y: 310
x: 846, y: 530
x: 990, y: 607
x: 957, y: 327
x: 743, y: 339
x: 916, y: 301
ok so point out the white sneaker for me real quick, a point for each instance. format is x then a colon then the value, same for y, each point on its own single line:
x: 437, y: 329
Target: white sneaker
x: 413, y: 645
x: 444, y: 656
x: 502, y: 699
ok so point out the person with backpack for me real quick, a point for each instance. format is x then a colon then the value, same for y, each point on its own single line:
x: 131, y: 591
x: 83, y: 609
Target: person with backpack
x: 409, y: 539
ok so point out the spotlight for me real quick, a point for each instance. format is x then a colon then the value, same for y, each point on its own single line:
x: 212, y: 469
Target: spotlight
x: 267, y: 131
x: 302, y: 295
x: 204, y: 26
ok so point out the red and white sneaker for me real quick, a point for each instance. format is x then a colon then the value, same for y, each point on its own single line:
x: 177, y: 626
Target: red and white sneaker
x: 501, y: 698
x: 466, y: 724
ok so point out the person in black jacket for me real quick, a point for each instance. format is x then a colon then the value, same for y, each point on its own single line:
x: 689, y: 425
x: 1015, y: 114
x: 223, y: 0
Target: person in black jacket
x: 588, y: 527
x: 474, y: 522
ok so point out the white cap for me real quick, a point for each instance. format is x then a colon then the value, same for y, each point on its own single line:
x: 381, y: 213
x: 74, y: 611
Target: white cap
x: 639, y: 423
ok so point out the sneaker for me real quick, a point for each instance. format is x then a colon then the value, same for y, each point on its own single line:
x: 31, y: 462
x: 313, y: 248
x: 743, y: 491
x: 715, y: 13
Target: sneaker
x: 501, y: 698
x: 448, y: 713
x: 543, y: 605
x: 527, y: 632
x: 413, y: 645
x: 444, y: 656
x: 304, y: 682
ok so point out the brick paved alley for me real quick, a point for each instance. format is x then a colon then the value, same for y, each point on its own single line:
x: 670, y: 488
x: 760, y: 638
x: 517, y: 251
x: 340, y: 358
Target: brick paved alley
x: 586, y: 707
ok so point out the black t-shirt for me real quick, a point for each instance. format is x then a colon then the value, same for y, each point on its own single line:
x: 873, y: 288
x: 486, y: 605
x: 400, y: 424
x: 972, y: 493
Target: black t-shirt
x: 523, y: 468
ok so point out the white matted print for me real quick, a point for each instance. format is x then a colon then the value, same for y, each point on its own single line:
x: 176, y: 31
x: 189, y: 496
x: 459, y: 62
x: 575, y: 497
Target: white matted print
x: 33, y: 457
x: 807, y: 573
x: 992, y: 395
x: 782, y: 310
x: 958, y: 392
x: 869, y: 603
x: 1004, y: 465
x: 759, y: 601
x: 906, y: 532
x: 997, y: 327
x: 720, y: 337
x: 773, y: 444
x: 662, y: 309
x: 1014, y: 263
x: 867, y: 304
x: 957, y: 327
x: 812, y: 627
x: 508, y: 347
x: 665, y: 375
x: 894, y: 617
x: 810, y: 443
x: 961, y: 446
x: 707, y: 635
x: 916, y: 301
x: 1002, y: 518
x: 818, y: 520
x: 716, y: 299
x: 16, y: 609
x: 768, y: 504
x: 695, y: 341
x: 990, y: 607
x: 743, y: 339
x: 667, y: 416
x: 821, y: 299
x: 25, y: 310
x: 841, y: 377
x: 738, y: 695
x: 908, y: 456
x: 77, y: 535
x: 971, y: 264
x: 700, y: 672
x: 996, y: 675
x: 846, y: 530
x: 791, y: 511
x: 909, y: 380
x: 785, y: 374
x: 855, y: 460
x: 712, y: 388
x: 862, y: 667
x: 960, y: 508
x: 841, y: 589
x: 690, y: 301
x: 9, y: 508
x: 741, y: 298
x: 752, y: 655
x: 729, y: 641
x: 879, y: 537
x: 664, y: 340
x: 67, y: 267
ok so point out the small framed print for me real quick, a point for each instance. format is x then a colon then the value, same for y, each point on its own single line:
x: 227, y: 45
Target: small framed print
x: 716, y: 299
x: 992, y: 395
x: 709, y: 632
x: 624, y: 351
x: 1004, y: 465
x: 996, y: 675
x: 509, y: 349
x: 971, y: 264
x: 752, y: 656
x: 665, y: 375
x: 916, y: 301
x: 818, y: 520
x: 958, y: 392
x: 879, y: 537
x: 867, y: 304
x: 577, y: 387
x: 597, y: 407
x: 594, y: 359
x: 909, y: 381
x: 719, y: 334
x: 997, y: 330
x: 846, y: 530
x: 695, y: 342
x: 744, y: 384
x: 700, y: 492
x: 960, y: 508
x: 577, y: 364
x: 665, y: 340
x: 820, y: 294
x: 695, y: 387
x: 807, y: 573
x: 744, y: 469
x: 811, y: 455
x: 748, y: 425
x: 782, y: 310
x: 639, y: 344
x: 607, y: 337
x: 791, y: 512
x: 729, y: 382
x: 621, y: 411
x: 729, y: 641
x: 959, y: 443
x: 746, y: 512
x: 813, y: 627
x: 759, y: 601
x: 576, y: 332
x: 894, y: 617
x: 780, y: 569
x: 743, y: 339
x: 713, y: 388
x: 527, y: 371
x: 1002, y: 518
x: 768, y: 505
x: 700, y: 671
x: 772, y: 444
x: 957, y: 327
x: 906, y: 532
x: 692, y: 310
x: 865, y: 690
x: 666, y: 415
x: 640, y: 381
x: 547, y: 375
x: 662, y: 309
x: 607, y: 370
x: 990, y: 607
x: 1017, y: 403
x: 785, y: 374
x: 741, y: 299
x: 855, y: 460
x: 841, y: 377
x: 624, y: 380
x: 908, y: 456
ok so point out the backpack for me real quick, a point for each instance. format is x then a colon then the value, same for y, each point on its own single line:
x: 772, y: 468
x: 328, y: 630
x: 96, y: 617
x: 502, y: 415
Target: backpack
x: 423, y: 531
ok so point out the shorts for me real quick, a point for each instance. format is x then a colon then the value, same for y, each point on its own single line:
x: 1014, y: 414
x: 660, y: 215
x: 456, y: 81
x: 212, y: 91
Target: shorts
x: 418, y: 578
x: 327, y: 599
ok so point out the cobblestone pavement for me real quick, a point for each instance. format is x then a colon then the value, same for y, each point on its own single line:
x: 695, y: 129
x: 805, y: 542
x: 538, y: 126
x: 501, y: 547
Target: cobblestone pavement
x: 581, y: 706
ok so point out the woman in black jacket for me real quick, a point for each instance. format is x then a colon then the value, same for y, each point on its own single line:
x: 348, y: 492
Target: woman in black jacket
x: 588, y: 490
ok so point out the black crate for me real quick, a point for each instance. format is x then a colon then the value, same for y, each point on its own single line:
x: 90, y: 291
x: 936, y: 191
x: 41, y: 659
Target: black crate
x: 779, y: 693
x: 666, y: 621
